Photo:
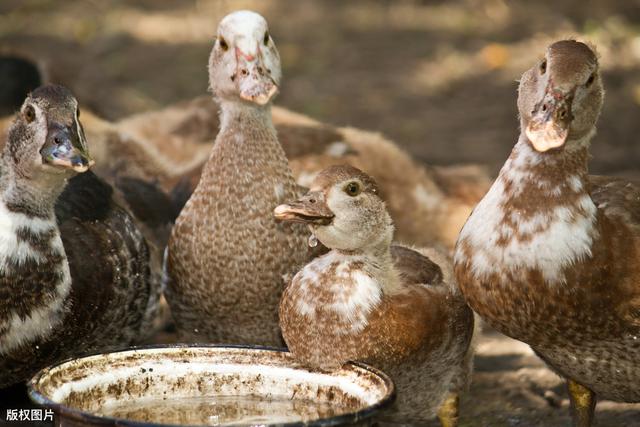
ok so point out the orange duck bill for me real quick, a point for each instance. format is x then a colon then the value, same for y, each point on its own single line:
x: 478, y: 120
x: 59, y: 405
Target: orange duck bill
x: 310, y: 209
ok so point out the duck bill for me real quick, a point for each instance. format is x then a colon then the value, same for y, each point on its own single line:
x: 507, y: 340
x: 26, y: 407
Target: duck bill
x: 549, y: 126
x: 254, y: 82
x: 311, y: 209
x: 65, y: 148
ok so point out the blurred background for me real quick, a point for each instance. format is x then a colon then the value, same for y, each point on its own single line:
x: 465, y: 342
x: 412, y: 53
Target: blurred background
x: 437, y: 77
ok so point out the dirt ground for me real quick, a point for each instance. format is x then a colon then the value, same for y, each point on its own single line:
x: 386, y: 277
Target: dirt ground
x: 437, y: 77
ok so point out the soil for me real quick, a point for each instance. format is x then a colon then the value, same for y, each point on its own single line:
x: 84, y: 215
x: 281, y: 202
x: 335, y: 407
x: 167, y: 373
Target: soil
x: 437, y: 77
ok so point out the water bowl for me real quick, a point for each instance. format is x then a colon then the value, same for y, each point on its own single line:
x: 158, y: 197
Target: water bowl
x: 208, y: 386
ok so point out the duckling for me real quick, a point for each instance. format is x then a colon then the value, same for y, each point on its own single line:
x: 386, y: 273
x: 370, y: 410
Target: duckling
x: 75, y: 267
x: 366, y: 300
x: 551, y: 255
x: 227, y: 254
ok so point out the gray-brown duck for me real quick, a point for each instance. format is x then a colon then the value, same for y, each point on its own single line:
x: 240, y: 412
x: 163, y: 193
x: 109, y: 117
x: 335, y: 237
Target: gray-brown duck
x: 227, y: 254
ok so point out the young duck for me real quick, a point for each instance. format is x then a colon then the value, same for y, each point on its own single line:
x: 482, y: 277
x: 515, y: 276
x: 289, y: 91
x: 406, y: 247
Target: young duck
x: 551, y: 255
x: 366, y: 300
x: 227, y: 254
x: 74, y: 266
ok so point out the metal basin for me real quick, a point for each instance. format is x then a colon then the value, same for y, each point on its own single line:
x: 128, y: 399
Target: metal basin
x: 208, y: 385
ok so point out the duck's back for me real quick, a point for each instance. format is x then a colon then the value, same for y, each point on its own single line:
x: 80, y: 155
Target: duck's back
x: 112, y: 299
x: 441, y: 362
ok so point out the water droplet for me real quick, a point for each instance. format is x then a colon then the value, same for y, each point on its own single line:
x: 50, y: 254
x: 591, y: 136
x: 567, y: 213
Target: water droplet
x: 313, y: 241
x: 196, y: 331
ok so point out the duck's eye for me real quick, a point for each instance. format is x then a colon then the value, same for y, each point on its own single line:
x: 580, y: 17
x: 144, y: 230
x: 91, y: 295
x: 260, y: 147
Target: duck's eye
x: 352, y: 189
x: 223, y: 43
x: 591, y: 79
x: 543, y: 66
x: 266, y: 38
x: 29, y: 114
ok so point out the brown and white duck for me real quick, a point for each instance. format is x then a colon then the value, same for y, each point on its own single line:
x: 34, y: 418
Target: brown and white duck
x: 551, y: 255
x: 74, y: 267
x: 366, y: 300
x: 227, y: 254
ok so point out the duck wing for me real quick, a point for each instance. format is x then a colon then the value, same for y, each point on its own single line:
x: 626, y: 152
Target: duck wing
x: 618, y: 201
x: 414, y: 267
x: 113, y: 298
x: 617, y: 198
x: 152, y: 208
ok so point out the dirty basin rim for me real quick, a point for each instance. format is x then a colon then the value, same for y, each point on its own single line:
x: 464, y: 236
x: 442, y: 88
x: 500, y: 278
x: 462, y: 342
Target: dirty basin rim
x: 78, y: 414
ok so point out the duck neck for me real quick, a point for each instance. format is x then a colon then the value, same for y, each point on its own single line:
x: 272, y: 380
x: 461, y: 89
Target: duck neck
x: 238, y: 113
x: 378, y: 263
x: 34, y: 272
x: 31, y: 191
x: 247, y: 145
x: 535, y: 181
x: 252, y: 122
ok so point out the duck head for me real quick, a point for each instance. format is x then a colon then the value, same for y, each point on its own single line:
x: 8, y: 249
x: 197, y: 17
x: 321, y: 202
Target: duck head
x: 343, y: 209
x: 244, y: 62
x: 46, y: 137
x: 560, y: 97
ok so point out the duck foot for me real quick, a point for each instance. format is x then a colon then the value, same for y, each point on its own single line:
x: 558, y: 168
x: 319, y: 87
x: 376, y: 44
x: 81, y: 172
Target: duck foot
x: 583, y: 403
x: 448, y: 412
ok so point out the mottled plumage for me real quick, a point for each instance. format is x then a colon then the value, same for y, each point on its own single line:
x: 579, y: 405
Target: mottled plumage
x: 365, y: 300
x: 551, y: 256
x: 227, y: 254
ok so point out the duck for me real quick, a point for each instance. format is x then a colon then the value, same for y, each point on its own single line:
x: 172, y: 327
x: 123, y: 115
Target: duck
x: 550, y: 255
x: 368, y: 300
x: 227, y: 255
x: 75, y: 266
